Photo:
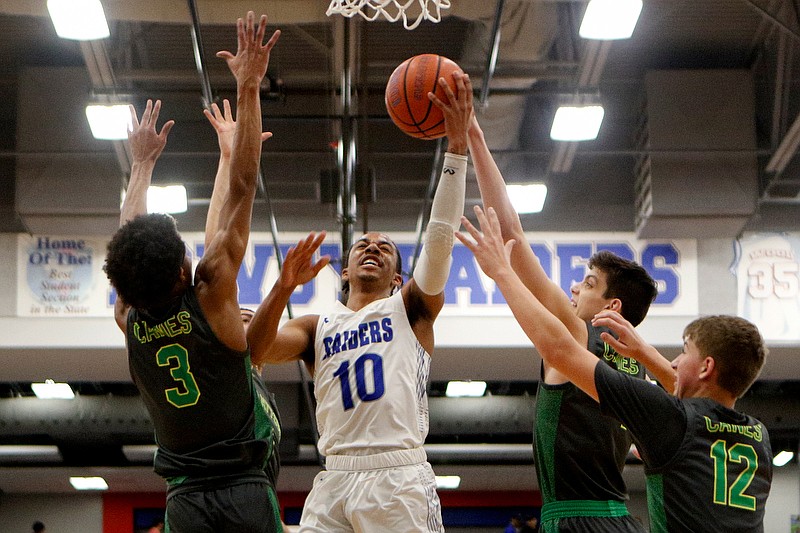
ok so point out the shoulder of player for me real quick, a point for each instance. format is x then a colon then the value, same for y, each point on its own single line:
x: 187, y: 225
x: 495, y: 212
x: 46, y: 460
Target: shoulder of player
x: 420, y: 306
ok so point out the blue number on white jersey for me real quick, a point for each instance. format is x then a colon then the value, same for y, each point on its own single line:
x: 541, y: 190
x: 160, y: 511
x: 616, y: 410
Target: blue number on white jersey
x: 343, y: 373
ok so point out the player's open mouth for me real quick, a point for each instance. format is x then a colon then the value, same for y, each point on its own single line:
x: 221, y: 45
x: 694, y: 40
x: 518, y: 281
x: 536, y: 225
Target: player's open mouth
x: 370, y: 262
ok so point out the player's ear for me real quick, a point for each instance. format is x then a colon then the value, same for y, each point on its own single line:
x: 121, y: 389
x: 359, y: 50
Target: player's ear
x: 615, y: 305
x: 344, y: 276
x: 185, y: 275
x: 707, y: 369
x: 397, y: 281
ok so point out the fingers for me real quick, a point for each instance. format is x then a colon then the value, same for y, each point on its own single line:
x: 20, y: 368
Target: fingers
x: 451, y: 97
x: 266, y: 135
x: 482, y: 221
x: 262, y: 29
x: 146, y: 113
x: 436, y: 101
x: 609, y: 318
x: 154, y: 113
x: 466, y: 89
x: 272, y: 40
x: 166, y: 128
x: 240, y: 33
x: 216, y: 112
x: 134, y: 118
x: 322, y: 263
x: 465, y: 241
x: 248, y: 30
x: 227, y: 106
x: 611, y: 341
x: 476, y: 234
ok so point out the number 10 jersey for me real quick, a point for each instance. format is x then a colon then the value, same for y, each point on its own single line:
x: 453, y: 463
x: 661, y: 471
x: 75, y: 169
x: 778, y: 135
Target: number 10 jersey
x: 370, y: 380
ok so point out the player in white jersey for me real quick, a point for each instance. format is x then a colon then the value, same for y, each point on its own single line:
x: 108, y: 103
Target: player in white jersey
x: 370, y: 359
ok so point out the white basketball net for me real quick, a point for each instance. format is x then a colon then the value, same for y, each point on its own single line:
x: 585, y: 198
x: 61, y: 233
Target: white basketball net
x: 411, y: 11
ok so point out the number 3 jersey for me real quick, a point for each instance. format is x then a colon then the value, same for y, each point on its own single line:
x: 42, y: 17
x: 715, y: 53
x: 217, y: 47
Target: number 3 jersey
x: 370, y: 379
x: 199, y: 394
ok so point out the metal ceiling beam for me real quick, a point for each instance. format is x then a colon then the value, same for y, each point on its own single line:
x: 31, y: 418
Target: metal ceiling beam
x: 494, y: 51
x: 101, y: 74
x: 590, y: 70
x: 199, y: 56
x: 347, y: 154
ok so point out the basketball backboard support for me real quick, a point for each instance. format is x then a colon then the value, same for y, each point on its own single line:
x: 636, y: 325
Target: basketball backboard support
x: 413, y: 12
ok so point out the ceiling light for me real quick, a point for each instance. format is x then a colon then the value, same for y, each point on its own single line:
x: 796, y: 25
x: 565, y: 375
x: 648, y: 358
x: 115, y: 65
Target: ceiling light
x: 82, y: 20
x: 783, y: 457
x: 50, y: 390
x: 527, y: 197
x: 577, y: 123
x: 610, y: 19
x: 110, y: 122
x: 89, y: 483
x: 29, y: 453
x: 169, y: 199
x: 456, y: 389
x: 448, y: 482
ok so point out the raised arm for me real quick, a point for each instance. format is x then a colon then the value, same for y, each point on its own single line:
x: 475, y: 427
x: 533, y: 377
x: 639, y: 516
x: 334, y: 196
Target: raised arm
x: 294, y: 340
x: 225, y: 126
x: 525, y: 263
x: 146, y: 145
x: 216, y: 273
x: 631, y: 344
x: 424, y: 294
x: 552, y: 339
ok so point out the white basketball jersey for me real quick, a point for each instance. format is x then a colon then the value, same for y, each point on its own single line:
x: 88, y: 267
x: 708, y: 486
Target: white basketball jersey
x: 370, y: 380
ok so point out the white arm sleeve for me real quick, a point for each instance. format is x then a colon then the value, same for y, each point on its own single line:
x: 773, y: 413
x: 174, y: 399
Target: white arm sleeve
x: 433, y: 268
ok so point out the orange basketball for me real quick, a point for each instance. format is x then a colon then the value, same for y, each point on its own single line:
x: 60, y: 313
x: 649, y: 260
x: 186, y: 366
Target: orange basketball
x: 407, y: 94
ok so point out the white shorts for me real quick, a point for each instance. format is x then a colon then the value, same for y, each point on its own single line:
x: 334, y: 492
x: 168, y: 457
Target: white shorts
x: 393, y: 492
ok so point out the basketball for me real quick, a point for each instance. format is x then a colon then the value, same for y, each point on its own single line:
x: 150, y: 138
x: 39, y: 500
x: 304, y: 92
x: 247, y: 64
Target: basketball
x: 407, y: 94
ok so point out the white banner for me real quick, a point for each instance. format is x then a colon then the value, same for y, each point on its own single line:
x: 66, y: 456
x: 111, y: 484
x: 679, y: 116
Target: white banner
x: 768, y: 283
x: 61, y: 276
x: 81, y: 289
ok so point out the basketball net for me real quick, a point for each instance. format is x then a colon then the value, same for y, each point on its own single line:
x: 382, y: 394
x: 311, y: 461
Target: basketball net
x: 391, y: 10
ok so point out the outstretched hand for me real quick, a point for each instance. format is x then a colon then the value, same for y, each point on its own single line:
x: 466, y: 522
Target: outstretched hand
x: 494, y: 256
x: 145, y: 142
x: 458, y: 111
x: 628, y: 342
x: 298, y: 266
x: 225, y: 126
x: 252, y: 58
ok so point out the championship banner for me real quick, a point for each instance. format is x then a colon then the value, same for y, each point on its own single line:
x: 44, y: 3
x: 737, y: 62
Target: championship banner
x: 768, y: 282
x: 62, y: 276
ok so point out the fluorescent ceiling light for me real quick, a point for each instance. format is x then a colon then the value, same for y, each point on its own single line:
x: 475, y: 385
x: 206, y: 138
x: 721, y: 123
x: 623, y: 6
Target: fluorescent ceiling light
x: 82, y: 20
x: 169, y: 199
x: 610, y: 19
x: 577, y: 123
x: 50, y: 390
x: 139, y: 452
x: 783, y: 457
x: 29, y: 453
x: 528, y: 197
x: 110, y: 122
x: 89, y: 483
x: 448, y: 482
x: 457, y: 389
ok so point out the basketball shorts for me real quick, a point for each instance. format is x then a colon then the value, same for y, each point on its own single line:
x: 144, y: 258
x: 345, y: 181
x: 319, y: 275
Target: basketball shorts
x: 392, y: 492
x: 244, y: 508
